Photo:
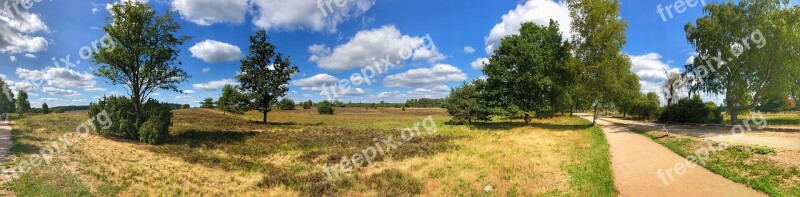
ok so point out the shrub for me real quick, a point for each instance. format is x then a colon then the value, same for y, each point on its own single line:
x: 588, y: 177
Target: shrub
x: 325, y: 107
x: 151, y: 126
x: 286, y: 104
x: 403, y: 108
x: 58, y: 110
x: 691, y: 110
x: 308, y: 104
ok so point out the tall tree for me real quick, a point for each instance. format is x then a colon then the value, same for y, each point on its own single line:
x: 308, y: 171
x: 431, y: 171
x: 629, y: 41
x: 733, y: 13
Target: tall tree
x: 599, y: 35
x: 672, y: 86
x: 265, y: 73
x: 748, y: 50
x: 6, y: 98
x: 231, y: 100
x: 144, y: 54
x: 23, y: 105
x: 529, y: 70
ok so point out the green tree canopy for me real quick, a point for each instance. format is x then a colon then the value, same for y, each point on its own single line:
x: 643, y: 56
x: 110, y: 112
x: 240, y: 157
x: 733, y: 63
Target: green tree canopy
x: 23, y: 105
x: 466, y: 103
x: 265, y: 73
x: 528, y: 71
x: 747, y: 50
x: 599, y: 35
x: 144, y: 54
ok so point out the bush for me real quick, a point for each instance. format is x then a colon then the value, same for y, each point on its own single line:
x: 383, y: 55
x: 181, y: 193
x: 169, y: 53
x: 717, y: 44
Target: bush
x: 691, y: 110
x: 151, y: 126
x: 286, y: 104
x: 308, y: 104
x: 58, y: 110
x: 325, y: 107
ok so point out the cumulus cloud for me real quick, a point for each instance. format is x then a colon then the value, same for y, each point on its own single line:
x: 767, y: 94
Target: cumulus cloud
x: 12, y: 58
x: 370, y: 46
x: 430, y: 91
x: 61, y: 92
x: 60, y: 77
x: 30, y: 56
x: 479, y: 63
x: 17, y: 31
x: 212, y: 51
x: 208, y: 12
x: 315, y: 83
x: 469, y: 50
x: 426, y: 77
x: 314, y: 15
x: 214, y: 85
x: 205, y: 70
x: 537, y: 11
x: 650, y: 69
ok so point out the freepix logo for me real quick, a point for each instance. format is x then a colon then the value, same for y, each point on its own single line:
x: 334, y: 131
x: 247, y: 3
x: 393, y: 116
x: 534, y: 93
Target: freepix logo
x: 678, y: 6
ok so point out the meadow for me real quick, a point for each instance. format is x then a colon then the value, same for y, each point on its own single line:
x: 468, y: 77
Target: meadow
x: 211, y: 153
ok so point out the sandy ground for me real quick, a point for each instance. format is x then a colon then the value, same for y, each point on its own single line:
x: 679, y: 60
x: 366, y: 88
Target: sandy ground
x: 5, y: 140
x: 765, y: 137
x: 637, y: 161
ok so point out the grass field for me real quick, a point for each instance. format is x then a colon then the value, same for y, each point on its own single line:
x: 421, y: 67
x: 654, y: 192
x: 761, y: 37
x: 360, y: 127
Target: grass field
x: 774, y: 172
x: 211, y: 153
x: 789, y: 119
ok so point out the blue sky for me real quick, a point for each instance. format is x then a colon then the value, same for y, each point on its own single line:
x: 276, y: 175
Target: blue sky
x: 326, y: 48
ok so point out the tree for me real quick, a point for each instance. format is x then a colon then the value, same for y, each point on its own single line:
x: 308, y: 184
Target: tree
x: 45, y: 109
x: 23, y: 105
x: 265, y: 74
x: 6, y: 98
x: 143, y: 56
x: 599, y: 35
x: 465, y: 103
x: 758, y: 38
x: 232, y: 100
x: 325, y: 107
x: 286, y: 104
x: 185, y: 106
x: 207, y: 103
x: 528, y: 71
x: 672, y: 86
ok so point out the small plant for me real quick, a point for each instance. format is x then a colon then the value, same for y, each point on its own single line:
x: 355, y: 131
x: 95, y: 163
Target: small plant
x: 325, y: 107
x: 308, y: 104
x: 763, y: 150
x: 403, y: 108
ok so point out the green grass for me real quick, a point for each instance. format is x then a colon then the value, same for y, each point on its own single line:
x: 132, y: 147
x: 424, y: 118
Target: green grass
x: 748, y: 165
x: 773, y: 119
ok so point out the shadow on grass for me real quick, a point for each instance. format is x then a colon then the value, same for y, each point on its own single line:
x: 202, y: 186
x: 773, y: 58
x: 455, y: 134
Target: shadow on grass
x: 284, y: 123
x: 495, y: 126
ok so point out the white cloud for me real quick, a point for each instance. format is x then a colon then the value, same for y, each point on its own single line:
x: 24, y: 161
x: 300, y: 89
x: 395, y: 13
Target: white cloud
x: 370, y: 46
x: 315, y: 83
x: 208, y: 12
x: 16, y: 29
x: 212, y: 51
x: 479, y: 63
x: 188, y: 91
x: 305, y: 14
x: 689, y: 60
x: 60, y: 77
x: 537, y: 11
x: 469, y: 50
x: 430, y: 91
x: 30, y: 56
x: 205, y: 70
x: 426, y: 77
x: 214, y: 85
x: 12, y: 58
x: 61, y: 92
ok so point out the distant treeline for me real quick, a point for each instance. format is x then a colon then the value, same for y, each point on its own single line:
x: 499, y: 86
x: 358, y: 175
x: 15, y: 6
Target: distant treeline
x: 416, y: 103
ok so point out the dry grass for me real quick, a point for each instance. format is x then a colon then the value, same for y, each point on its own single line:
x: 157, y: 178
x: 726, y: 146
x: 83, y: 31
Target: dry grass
x: 211, y: 154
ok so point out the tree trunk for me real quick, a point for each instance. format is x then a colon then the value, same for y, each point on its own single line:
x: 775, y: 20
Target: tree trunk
x: 594, y: 119
x: 527, y: 119
x: 571, y: 111
x: 265, y: 118
x: 734, y: 115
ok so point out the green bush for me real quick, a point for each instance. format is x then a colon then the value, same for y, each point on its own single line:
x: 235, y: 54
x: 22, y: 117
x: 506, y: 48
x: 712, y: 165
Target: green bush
x: 151, y: 126
x: 286, y: 104
x: 308, y: 104
x: 691, y: 110
x: 325, y: 107
x: 58, y: 110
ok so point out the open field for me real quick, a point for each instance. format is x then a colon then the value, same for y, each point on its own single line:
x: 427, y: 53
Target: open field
x: 215, y: 154
x: 776, y: 120
x: 769, y: 170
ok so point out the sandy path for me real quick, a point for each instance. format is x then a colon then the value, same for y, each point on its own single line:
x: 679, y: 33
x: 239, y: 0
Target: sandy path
x: 763, y: 137
x: 636, y: 161
x: 5, y: 140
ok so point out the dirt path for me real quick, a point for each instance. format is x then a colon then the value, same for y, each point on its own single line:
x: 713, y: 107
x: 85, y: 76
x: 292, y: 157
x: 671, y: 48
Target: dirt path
x: 636, y: 162
x: 764, y: 137
x: 5, y: 140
